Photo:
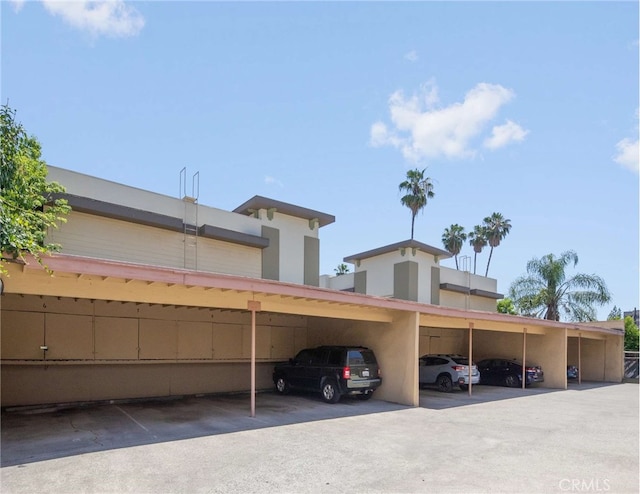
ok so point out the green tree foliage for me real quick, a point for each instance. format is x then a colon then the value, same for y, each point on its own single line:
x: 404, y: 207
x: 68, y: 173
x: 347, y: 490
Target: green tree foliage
x: 615, y: 314
x: 418, y: 190
x: 453, y: 239
x: 341, y: 269
x: 496, y: 228
x: 477, y: 240
x: 545, y: 291
x: 26, y: 207
x: 506, y: 306
x: 631, y: 335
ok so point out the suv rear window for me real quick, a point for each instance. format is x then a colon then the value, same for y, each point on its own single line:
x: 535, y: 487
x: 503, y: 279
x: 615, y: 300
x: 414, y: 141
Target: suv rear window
x: 460, y: 360
x: 359, y: 357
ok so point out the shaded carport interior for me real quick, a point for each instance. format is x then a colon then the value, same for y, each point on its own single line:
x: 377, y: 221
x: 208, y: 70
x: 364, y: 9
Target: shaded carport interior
x: 116, y: 330
x: 87, y: 312
x: 550, y: 344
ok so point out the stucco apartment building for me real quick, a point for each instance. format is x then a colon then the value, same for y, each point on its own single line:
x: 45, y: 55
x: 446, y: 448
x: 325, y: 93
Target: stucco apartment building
x: 153, y: 295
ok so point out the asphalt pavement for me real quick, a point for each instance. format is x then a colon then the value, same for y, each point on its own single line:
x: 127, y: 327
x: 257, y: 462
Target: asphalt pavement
x: 584, y: 439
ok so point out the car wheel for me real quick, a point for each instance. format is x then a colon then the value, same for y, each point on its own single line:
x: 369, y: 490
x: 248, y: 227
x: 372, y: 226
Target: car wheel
x: 282, y: 386
x: 330, y: 393
x: 365, y: 396
x: 464, y: 387
x: 512, y: 381
x: 445, y: 384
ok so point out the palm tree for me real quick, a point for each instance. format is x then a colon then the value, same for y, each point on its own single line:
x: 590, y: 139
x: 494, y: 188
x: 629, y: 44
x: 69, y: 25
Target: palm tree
x: 418, y: 190
x: 478, y: 240
x: 453, y: 239
x: 546, y: 292
x: 341, y: 269
x: 496, y: 228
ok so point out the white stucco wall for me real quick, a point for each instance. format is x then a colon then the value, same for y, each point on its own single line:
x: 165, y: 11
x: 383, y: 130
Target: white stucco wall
x: 342, y: 282
x: 292, y: 233
x: 104, y: 190
x: 96, y: 236
x: 380, y: 272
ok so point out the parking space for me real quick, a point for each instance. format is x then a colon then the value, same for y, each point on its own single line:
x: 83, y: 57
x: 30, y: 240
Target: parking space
x: 536, y: 440
x: 436, y: 400
x: 42, y: 433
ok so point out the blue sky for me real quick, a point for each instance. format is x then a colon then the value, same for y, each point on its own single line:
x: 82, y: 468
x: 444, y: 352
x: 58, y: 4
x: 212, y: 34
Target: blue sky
x: 528, y: 109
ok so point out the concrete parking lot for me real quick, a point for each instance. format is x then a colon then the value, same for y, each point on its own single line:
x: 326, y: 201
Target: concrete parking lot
x: 584, y: 439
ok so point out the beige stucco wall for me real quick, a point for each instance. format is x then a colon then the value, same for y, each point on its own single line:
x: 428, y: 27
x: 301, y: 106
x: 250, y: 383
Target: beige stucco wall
x: 547, y: 350
x: 99, y: 350
x: 105, y: 238
x: 388, y: 341
x: 443, y: 340
x: 462, y: 301
x: 597, y: 356
x: 42, y: 384
x: 94, y: 236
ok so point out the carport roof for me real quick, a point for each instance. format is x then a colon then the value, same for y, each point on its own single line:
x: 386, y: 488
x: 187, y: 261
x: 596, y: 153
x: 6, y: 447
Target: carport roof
x: 90, y: 278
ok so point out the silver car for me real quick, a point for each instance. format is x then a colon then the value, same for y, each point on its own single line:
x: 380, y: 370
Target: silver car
x: 447, y: 371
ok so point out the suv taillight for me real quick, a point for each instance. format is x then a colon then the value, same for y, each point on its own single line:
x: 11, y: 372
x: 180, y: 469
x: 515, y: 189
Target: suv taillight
x: 346, y: 373
x: 457, y: 368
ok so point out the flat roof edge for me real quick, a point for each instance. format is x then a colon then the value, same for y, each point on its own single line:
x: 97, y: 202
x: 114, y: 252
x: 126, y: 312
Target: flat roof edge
x: 260, y: 202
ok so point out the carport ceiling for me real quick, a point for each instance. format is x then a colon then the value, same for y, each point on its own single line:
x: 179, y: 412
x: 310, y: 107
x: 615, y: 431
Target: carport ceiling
x: 81, y: 277
x: 76, y: 277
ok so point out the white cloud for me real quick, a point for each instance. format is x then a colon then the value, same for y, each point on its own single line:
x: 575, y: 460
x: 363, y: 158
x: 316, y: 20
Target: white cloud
x: 113, y: 18
x: 628, y: 154
x: 501, y: 135
x: 628, y: 151
x: 273, y: 181
x: 17, y: 4
x: 412, y: 56
x: 421, y: 130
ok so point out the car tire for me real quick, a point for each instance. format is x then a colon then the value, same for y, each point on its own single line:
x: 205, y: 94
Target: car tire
x: 512, y: 381
x: 330, y: 392
x: 282, y: 386
x: 444, y: 383
x: 464, y: 387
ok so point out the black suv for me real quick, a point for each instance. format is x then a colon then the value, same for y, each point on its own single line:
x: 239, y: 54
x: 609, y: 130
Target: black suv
x: 332, y: 370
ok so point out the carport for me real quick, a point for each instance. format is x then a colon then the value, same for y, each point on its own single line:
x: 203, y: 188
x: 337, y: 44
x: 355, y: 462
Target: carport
x: 550, y: 344
x: 596, y: 354
x: 102, y: 330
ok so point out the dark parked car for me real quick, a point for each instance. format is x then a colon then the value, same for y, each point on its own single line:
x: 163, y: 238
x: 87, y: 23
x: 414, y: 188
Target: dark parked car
x: 333, y: 371
x: 572, y: 372
x: 505, y: 372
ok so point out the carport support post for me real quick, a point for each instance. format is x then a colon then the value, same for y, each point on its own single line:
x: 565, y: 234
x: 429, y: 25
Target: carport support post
x: 579, y: 358
x: 524, y: 357
x: 470, y: 354
x: 253, y: 306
